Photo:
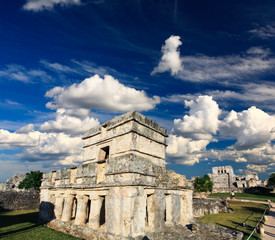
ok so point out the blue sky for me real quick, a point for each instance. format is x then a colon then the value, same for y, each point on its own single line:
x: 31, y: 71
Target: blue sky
x: 204, y: 70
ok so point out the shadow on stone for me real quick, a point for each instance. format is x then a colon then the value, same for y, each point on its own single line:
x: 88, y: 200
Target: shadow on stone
x: 46, y: 212
x: 145, y: 238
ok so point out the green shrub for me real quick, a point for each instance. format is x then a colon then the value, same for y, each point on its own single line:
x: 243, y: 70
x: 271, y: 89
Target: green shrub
x: 203, y: 184
x: 31, y: 181
x: 271, y: 180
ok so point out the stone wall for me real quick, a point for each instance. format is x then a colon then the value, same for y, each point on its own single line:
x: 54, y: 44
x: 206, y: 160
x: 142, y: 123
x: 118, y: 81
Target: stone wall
x: 12, y: 200
x: 207, y: 206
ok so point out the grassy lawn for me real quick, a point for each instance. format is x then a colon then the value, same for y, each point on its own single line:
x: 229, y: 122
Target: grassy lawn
x: 244, y: 212
x: 21, y: 225
x: 245, y: 196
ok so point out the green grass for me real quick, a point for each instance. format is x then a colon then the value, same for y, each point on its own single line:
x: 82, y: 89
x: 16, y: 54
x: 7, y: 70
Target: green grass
x: 244, y: 212
x: 21, y: 225
x: 245, y: 196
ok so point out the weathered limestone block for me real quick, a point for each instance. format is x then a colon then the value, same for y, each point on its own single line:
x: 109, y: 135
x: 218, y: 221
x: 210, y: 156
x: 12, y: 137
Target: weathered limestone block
x: 126, y: 211
x: 47, y: 180
x: 129, y: 163
x: 62, y: 177
x: 130, y: 179
x: 168, y: 178
x: 206, y: 206
x: 86, y: 170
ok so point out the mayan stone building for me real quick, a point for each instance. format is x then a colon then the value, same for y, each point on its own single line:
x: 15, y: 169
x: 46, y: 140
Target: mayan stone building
x: 225, y: 180
x: 122, y: 190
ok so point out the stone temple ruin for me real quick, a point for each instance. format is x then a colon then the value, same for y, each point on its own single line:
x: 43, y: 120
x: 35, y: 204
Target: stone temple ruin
x: 122, y: 190
x: 225, y: 180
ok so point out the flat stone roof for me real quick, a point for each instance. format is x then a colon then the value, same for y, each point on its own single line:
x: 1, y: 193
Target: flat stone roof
x: 135, y: 116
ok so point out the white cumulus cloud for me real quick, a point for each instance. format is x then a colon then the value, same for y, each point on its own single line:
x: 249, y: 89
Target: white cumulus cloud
x: 170, y: 60
x: 40, y: 5
x: 187, y: 150
x: 252, y: 128
x: 101, y: 93
x: 202, y: 120
x: 191, y: 134
x: 253, y: 131
x: 72, y: 125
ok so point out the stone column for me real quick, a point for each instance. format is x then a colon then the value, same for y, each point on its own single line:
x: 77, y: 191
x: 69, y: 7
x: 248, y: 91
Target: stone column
x: 176, y: 208
x: 58, y: 207
x: 169, y: 209
x: 189, y: 205
x: 151, y: 211
x: 68, y: 205
x: 80, y: 217
x: 94, y: 217
x: 183, y: 211
x: 186, y: 213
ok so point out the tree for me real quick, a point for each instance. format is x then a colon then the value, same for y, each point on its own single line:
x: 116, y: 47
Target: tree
x: 271, y: 180
x: 203, y: 184
x: 31, y: 181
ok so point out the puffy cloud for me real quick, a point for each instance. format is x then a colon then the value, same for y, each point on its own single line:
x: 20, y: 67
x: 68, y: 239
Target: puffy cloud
x: 252, y: 128
x: 170, y: 60
x: 55, y: 147
x: 104, y: 94
x: 193, y: 133
x: 26, y: 129
x: 240, y: 159
x: 40, y: 5
x: 37, y: 146
x: 185, y: 150
x: 202, y: 68
x: 72, y: 125
x: 8, y: 139
x: 257, y: 168
x: 264, y: 32
x: 202, y: 120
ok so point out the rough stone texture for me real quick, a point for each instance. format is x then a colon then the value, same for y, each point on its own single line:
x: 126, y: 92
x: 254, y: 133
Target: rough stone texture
x: 12, y: 200
x: 198, y: 231
x: 123, y: 190
x: 168, y: 178
x: 131, y: 132
x: 129, y: 163
x: 12, y: 183
x: 207, y: 206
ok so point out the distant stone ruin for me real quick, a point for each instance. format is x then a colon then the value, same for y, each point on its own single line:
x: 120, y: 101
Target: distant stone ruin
x: 12, y: 183
x: 122, y: 190
x: 13, y: 198
x: 225, y: 180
